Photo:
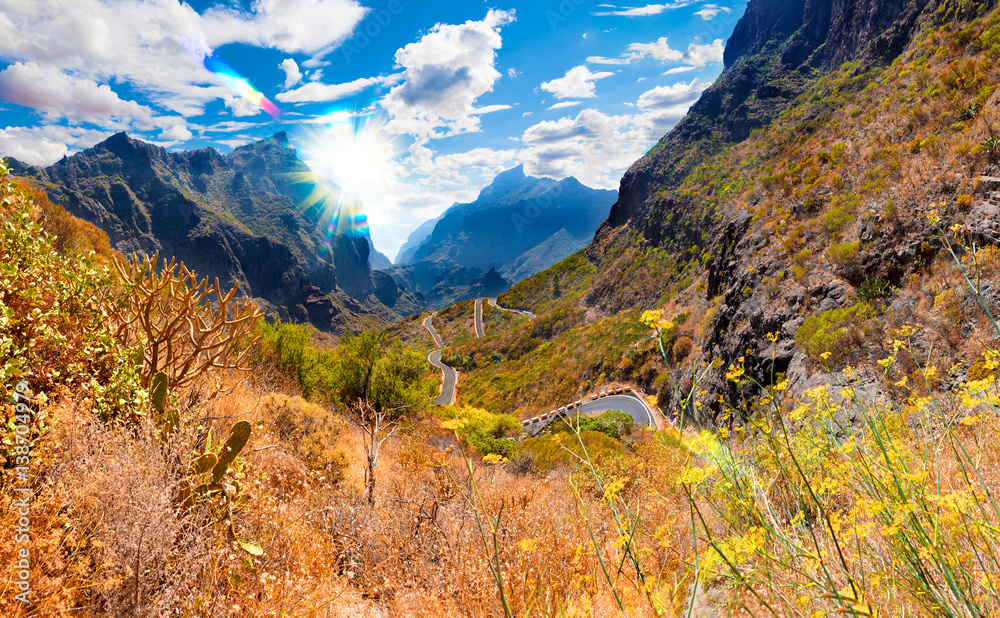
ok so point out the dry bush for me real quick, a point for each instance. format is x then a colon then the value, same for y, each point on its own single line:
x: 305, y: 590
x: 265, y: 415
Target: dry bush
x: 309, y: 431
x: 171, y: 313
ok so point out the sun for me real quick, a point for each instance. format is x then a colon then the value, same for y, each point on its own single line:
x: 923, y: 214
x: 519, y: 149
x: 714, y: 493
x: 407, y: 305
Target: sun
x: 354, y: 151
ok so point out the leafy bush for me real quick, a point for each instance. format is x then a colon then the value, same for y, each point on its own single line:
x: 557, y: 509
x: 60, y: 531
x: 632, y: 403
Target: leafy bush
x: 613, y: 423
x: 832, y: 332
x: 54, y: 315
x: 843, y: 254
x: 290, y: 345
x: 487, y: 433
x: 836, y: 219
x: 874, y: 289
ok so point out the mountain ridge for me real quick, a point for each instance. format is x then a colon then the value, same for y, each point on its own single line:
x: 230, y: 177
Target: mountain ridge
x: 229, y: 216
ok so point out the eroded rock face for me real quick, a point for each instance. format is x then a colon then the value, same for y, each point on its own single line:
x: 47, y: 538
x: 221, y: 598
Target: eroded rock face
x: 776, y: 51
x: 235, y: 217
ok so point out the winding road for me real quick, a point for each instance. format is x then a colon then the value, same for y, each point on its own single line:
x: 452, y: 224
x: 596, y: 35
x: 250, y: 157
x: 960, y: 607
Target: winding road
x: 479, y: 318
x: 449, y: 380
x: 625, y: 400
x: 605, y: 399
x: 493, y: 303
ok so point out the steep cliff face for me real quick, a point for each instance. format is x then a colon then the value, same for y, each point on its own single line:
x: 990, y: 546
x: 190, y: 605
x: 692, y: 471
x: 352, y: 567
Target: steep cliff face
x: 234, y: 217
x: 798, y: 188
x: 776, y: 51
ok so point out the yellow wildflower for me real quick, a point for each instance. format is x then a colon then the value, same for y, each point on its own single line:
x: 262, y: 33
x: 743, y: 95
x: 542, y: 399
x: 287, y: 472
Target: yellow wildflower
x: 527, y: 545
x: 494, y: 459
x: 885, y: 362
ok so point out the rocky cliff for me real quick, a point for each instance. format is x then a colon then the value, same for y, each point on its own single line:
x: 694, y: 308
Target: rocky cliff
x: 797, y: 190
x: 776, y: 51
x: 237, y: 217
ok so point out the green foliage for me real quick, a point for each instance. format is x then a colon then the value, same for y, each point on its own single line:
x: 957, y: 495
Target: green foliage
x: 487, y: 433
x: 836, y: 219
x: 613, y: 423
x: 368, y: 367
x: 54, y: 315
x: 364, y: 366
x: 238, y: 436
x: 834, y: 332
x: 969, y: 112
x: 207, y: 483
x: 539, y: 293
x: 843, y: 254
x: 990, y: 148
x: 874, y: 289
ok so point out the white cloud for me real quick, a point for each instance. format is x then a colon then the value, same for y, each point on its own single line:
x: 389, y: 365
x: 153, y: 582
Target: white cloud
x: 59, y: 96
x: 678, y: 70
x: 709, y: 11
x: 603, y: 60
x: 699, y: 55
x: 240, y: 106
x: 564, y: 104
x: 444, y: 73
x: 643, y: 11
x: 47, y: 144
x: 668, y: 96
x: 663, y: 107
x: 176, y: 133
x: 315, y: 91
x: 137, y: 41
x: 578, y: 83
x: 660, y: 50
x: 593, y: 147
x: 292, y: 73
x: 512, y: 73
x: 308, y: 26
x: 476, y: 158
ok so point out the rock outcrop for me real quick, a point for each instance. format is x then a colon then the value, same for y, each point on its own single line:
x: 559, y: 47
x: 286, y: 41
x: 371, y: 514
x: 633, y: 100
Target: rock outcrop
x: 236, y: 217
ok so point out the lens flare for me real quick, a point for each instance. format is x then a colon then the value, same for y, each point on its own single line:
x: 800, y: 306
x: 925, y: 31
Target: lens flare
x: 228, y: 76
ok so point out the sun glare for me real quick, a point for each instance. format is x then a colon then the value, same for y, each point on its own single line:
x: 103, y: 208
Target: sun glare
x: 353, y: 151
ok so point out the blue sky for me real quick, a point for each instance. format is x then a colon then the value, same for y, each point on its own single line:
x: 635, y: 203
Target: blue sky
x: 412, y: 105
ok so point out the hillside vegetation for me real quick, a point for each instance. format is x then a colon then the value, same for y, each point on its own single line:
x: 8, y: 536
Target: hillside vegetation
x: 812, y: 304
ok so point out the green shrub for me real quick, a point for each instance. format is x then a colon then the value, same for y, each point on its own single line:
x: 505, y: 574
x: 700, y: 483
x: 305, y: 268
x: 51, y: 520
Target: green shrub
x: 613, y: 423
x: 834, y: 332
x: 843, y: 254
x: 874, y: 289
x: 487, y: 433
x: 836, y: 219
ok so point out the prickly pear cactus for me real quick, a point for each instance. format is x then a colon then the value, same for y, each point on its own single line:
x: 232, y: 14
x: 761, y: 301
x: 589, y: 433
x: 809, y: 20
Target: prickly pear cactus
x: 158, y: 392
x: 238, y: 437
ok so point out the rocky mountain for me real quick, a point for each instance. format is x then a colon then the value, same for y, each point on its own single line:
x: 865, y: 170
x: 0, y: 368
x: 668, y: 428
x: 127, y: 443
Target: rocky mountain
x: 414, y: 240
x: 553, y: 249
x: 258, y: 217
x: 788, y: 224
x: 510, y: 217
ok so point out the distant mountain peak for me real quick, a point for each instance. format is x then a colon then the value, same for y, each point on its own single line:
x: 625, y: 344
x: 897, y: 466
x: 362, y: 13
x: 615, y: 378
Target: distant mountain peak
x: 505, y: 182
x: 281, y: 138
